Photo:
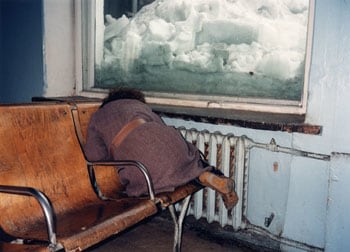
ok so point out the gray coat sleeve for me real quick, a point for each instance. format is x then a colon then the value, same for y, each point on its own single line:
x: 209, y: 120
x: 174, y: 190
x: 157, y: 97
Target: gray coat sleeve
x: 95, y: 148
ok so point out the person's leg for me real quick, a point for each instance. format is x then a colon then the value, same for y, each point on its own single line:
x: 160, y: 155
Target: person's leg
x: 223, y: 185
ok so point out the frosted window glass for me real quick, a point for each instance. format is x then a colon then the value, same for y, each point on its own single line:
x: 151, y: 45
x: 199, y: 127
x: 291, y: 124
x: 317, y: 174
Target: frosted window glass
x: 238, y: 48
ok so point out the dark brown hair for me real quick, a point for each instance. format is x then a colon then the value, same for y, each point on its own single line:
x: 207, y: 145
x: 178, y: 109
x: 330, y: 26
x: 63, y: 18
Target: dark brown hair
x: 124, y: 93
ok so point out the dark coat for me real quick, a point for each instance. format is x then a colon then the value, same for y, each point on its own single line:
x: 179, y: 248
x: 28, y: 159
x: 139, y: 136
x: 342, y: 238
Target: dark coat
x: 170, y: 160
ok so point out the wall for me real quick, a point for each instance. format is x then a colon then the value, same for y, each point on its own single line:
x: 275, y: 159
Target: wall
x: 21, y: 50
x: 329, y: 107
x: 309, y: 196
x: 59, y: 47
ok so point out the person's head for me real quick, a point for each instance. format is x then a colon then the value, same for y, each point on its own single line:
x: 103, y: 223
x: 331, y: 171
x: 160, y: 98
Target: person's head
x: 124, y: 93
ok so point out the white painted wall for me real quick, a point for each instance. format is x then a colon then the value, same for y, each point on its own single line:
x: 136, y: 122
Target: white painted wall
x: 59, y: 43
x: 310, y: 197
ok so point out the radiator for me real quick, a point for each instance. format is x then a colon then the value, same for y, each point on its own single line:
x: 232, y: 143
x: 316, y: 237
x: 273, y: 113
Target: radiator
x: 226, y: 153
x: 230, y: 154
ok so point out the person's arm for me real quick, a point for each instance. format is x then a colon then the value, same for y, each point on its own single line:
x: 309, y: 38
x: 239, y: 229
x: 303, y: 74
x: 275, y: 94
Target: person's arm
x: 95, y: 148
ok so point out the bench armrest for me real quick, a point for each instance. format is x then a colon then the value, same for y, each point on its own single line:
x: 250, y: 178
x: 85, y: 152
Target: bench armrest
x: 43, y: 202
x: 137, y: 164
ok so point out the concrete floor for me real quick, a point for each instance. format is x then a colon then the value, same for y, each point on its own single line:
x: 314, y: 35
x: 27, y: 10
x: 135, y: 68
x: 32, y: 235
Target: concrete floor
x: 156, y: 235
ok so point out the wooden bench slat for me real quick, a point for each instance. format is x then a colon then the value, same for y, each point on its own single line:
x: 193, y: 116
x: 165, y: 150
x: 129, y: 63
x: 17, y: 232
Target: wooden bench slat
x: 39, y: 149
x: 22, y: 248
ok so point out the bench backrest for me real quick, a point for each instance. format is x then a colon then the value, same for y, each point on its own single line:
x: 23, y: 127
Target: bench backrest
x: 85, y: 111
x: 108, y: 180
x: 39, y: 149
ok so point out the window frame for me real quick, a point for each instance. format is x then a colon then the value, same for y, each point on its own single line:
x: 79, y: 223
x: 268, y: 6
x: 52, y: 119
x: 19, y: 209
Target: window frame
x: 185, y: 103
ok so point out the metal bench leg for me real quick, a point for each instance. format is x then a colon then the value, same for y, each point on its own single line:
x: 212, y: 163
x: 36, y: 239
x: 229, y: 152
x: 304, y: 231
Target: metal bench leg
x: 178, y: 221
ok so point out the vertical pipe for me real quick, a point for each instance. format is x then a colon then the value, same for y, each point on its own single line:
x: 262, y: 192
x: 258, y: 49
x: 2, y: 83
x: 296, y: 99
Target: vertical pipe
x: 197, y: 208
x: 211, y: 199
x: 239, y: 180
x: 226, y: 169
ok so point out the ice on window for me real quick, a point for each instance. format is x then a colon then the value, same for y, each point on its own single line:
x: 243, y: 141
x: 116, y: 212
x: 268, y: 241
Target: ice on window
x: 252, y: 48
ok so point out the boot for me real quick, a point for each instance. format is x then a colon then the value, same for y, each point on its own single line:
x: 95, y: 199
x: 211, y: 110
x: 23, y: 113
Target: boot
x: 223, y: 185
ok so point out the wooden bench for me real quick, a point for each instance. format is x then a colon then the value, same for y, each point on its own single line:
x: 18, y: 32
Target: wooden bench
x: 51, y: 198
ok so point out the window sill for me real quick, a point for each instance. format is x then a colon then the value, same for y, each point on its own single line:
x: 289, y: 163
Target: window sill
x: 254, y: 120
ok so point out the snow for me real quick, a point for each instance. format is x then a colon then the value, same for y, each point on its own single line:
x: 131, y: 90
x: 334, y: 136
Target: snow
x: 216, y: 46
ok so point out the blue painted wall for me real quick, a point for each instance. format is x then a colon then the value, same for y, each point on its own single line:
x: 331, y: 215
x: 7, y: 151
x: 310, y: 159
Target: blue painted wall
x: 21, y: 50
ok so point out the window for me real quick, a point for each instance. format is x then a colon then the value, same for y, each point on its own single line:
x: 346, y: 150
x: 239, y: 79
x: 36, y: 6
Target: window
x: 249, y: 55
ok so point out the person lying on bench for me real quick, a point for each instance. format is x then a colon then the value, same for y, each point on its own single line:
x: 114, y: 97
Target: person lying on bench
x: 126, y: 128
